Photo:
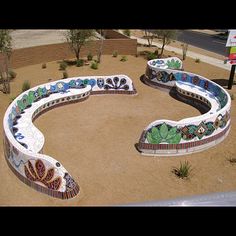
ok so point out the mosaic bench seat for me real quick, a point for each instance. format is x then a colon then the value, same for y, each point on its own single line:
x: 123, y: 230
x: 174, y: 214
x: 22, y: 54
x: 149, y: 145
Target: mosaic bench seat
x: 192, y: 134
x: 23, y: 142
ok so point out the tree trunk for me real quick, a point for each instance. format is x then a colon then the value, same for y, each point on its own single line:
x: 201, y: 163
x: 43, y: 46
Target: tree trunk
x: 77, y: 54
x: 163, y: 45
x: 101, y: 48
x: 4, y: 74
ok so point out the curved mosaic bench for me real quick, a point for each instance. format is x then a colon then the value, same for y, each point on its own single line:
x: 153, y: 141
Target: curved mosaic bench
x: 23, y: 142
x: 167, y: 137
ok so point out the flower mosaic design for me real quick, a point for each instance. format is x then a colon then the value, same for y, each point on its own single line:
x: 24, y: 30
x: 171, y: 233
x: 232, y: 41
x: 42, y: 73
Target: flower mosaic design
x: 116, y: 83
x: 40, y: 174
x: 100, y: 83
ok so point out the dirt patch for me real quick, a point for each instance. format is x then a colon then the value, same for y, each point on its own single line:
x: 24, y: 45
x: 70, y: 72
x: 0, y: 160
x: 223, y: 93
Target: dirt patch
x: 95, y: 139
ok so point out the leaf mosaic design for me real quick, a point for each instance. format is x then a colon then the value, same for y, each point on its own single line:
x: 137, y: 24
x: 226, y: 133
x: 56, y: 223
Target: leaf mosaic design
x: 173, y: 64
x: 164, y: 134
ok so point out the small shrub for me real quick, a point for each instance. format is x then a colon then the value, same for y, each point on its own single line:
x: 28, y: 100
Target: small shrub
x: 151, y: 56
x: 70, y: 62
x: 183, y: 171
x: 197, y: 60
x: 90, y: 57
x: 12, y: 74
x: 156, y: 52
x: 25, y: 85
x: 63, y: 65
x: 94, y: 65
x: 65, y: 74
x: 232, y: 160
x: 232, y: 96
x: 44, y: 66
x: 115, y: 54
x: 79, y: 62
x: 123, y: 58
x: 127, y: 32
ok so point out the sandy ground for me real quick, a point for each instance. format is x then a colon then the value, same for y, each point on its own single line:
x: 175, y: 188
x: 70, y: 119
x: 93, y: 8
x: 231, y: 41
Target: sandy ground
x: 95, y: 139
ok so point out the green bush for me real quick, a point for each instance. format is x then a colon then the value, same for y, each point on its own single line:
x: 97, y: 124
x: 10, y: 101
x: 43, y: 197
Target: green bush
x: 197, y: 60
x: 65, y: 74
x: 123, y: 58
x: 79, y: 62
x: 115, y: 54
x: 183, y: 171
x: 94, y: 65
x: 127, y: 32
x: 151, y: 56
x: 44, y: 66
x: 63, y: 65
x: 12, y: 74
x: 25, y: 85
x: 90, y: 56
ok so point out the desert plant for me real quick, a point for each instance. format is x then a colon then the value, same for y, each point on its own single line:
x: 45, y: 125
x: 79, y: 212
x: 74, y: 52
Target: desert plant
x: 25, y: 85
x: 123, y: 58
x: 94, y: 65
x: 65, y: 74
x: 44, y: 66
x: 90, y: 56
x: 184, y: 50
x: 183, y: 171
x: 151, y: 56
x: 79, y: 62
x: 232, y: 160
x: 12, y: 74
x: 63, y: 65
x: 163, y: 134
x: 127, y: 32
x: 115, y: 54
x: 197, y: 60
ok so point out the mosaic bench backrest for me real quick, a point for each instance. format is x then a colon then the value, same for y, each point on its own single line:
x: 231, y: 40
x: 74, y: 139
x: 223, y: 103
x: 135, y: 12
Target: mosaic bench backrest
x: 166, y: 137
x: 23, y: 142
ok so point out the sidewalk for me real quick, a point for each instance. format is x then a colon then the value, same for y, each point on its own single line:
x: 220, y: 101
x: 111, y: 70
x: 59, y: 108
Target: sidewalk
x: 210, y: 60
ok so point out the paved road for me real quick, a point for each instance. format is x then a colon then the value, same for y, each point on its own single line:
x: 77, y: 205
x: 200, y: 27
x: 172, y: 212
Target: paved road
x: 205, y: 41
x: 194, y: 55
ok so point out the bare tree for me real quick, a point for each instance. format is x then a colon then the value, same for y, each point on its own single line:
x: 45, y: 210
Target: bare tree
x: 166, y: 36
x: 5, y: 53
x: 184, y: 50
x: 78, y: 38
x: 100, y: 50
x: 149, y: 36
